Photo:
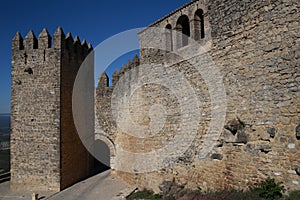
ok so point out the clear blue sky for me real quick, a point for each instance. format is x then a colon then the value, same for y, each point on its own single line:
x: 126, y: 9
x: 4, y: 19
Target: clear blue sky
x: 92, y: 20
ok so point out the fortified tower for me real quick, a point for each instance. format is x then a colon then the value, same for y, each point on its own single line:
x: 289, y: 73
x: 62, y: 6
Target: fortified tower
x: 240, y: 100
x: 46, y: 152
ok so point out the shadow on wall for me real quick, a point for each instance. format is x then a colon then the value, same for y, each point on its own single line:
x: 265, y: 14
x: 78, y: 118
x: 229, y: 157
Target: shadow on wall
x: 103, y: 152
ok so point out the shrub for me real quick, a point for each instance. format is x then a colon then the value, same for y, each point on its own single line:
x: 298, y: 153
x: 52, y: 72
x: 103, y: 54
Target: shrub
x: 269, y: 189
x: 293, y: 195
x: 143, y: 194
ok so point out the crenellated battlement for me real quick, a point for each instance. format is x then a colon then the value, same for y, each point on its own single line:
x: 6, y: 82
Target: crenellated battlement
x: 46, y: 41
x: 197, y: 120
x: 44, y: 70
x: 103, y: 87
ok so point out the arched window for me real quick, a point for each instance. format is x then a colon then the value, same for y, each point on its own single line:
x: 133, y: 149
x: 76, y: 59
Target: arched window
x: 169, y: 38
x: 199, y: 25
x: 183, y: 27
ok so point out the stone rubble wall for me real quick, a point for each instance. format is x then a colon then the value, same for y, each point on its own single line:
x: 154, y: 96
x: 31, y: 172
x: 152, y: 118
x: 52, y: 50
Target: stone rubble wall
x: 256, y: 48
x: 45, y: 147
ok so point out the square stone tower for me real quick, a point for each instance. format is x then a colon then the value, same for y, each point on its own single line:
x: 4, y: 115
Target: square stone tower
x: 46, y: 151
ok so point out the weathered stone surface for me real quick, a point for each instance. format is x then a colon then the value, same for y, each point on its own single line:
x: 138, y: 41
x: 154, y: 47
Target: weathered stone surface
x: 165, y: 187
x: 271, y: 132
x: 45, y: 147
x: 265, y: 148
x: 255, y: 46
x: 242, y: 137
x: 234, y: 126
x: 217, y: 156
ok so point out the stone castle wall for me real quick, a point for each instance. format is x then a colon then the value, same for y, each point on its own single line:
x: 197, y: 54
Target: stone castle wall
x: 255, y: 46
x: 45, y: 147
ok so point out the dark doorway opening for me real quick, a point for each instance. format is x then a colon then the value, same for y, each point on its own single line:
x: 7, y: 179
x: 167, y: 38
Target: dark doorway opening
x: 101, y: 162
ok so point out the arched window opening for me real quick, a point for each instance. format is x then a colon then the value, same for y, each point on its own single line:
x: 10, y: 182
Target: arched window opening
x: 199, y: 25
x: 183, y: 27
x: 169, y: 38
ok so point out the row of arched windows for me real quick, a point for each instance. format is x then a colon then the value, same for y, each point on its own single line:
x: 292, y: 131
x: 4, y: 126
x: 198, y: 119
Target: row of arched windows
x: 183, y: 27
